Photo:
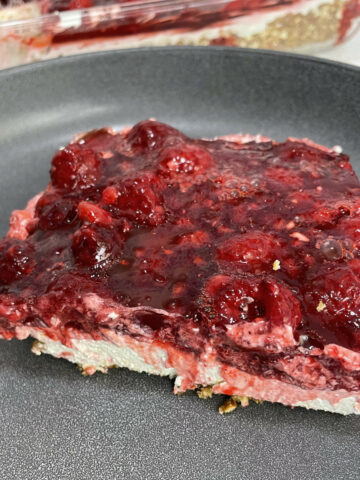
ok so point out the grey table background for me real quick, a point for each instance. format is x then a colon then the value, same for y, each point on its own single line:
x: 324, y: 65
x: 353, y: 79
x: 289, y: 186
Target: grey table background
x: 56, y: 424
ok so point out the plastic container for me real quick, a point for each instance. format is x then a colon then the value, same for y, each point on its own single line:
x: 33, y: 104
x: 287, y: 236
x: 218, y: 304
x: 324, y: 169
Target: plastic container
x: 36, y: 31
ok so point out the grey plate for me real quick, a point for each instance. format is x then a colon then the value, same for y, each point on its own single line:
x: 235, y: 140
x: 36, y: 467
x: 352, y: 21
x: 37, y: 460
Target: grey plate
x: 56, y: 424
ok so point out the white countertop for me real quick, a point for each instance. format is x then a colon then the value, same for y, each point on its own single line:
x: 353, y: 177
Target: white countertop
x: 349, y: 52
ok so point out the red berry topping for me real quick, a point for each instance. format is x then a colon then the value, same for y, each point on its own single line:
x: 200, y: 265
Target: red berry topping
x: 150, y: 135
x: 284, y: 178
x: 231, y: 300
x: 74, y: 167
x: 199, y: 237
x: 245, y: 248
x: 338, y: 288
x: 110, y: 195
x: 254, y: 251
x: 332, y: 303
x: 93, y: 214
x: 227, y: 300
x: 138, y: 199
x: 98, y: 247
x: 184, y: 160
x: 16, y: 261
x: 55, y: 212
x: 281, y: 305
x: 298, y: 151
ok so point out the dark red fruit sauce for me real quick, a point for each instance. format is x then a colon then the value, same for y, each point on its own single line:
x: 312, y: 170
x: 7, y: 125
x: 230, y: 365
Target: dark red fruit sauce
x: 213, y: 232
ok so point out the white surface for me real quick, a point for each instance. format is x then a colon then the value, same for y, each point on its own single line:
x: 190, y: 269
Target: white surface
x: 349, y: 52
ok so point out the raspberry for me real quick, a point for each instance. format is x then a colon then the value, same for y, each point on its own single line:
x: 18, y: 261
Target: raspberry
x: 16, y: 261
x: 137, y: 199
x: 231, y: 300
x: 92, y: 246
x: 74, y: 167
x: 339, y: 291
x: 93, y: 214
x: 255, y: 251
x: 325, y: 217
x: 183, y: 160
x: 110, y: 195
x: 281, y: 305
x: 54, y: 212
x: 150, y: 135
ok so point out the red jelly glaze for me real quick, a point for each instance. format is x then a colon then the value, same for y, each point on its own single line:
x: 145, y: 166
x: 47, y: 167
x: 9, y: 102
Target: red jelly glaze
x: 155, y: 219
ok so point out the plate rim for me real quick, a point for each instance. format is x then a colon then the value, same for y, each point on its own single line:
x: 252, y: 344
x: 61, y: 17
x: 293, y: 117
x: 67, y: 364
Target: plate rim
x: 208, y: 50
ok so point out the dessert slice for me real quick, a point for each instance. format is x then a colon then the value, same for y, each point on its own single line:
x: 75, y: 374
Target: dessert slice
x: 232, y: 265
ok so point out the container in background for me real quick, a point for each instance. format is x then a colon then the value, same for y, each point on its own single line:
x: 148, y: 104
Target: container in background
x: 51, y: 28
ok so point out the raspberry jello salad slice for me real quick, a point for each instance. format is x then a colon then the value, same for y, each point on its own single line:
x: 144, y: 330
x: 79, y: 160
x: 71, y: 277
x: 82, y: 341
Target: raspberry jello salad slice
x: 232, y: 265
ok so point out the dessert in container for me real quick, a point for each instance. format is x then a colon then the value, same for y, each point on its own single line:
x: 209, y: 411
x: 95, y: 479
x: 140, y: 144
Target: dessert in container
x: 42, y: 30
